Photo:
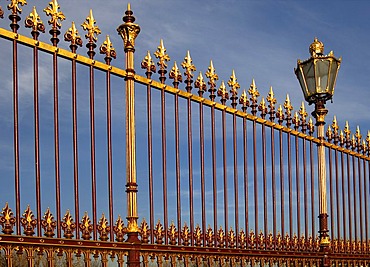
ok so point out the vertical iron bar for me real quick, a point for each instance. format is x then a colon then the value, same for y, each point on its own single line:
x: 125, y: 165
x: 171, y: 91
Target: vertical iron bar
x: 255, y: 177
x: 214, y: 171
x: 282, y: 204
x: 366, y: 199
x: 349, y: 199
x: 298, y: 189
x: 312, y: 191
x: 331, y: 196
x: 178, y: 177
x: 190, y: 159
x: 75, y: 144
x: 109, y: 151
x: 202, y: 174
x: 354, y: 198
x: 290, y: 185
x: 236, y: 190
x: 273, y: 181
x: 344, y: 198
x: 265, y: 227
x: 337, y: 195
x: 360, y: 198
x: 150, y: 159
x: 14, y: 26
x: 246, y: 190
x: 305, y: 193
x: 37, y: 134
x: 164, y: 163
x: 226, y: 208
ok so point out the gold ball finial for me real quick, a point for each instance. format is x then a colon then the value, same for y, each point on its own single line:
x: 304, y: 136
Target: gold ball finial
x: 316, y: 48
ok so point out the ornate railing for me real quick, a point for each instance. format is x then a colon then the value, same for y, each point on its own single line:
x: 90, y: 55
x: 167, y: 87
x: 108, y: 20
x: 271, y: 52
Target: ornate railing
x: 207, y: 183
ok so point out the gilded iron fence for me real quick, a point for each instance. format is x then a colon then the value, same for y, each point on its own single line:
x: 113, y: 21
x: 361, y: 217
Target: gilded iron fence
x: 216, y: 184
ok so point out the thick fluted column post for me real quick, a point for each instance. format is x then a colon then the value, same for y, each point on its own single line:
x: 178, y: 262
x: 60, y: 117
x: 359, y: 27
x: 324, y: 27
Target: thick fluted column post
x: 129, y: 31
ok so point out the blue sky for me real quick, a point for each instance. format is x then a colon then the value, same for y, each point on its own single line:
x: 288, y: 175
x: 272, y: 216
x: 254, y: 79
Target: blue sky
x: 260, y: 40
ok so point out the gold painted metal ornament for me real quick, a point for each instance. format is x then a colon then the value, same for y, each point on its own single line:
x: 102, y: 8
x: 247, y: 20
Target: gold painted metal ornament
x: 33, y: 21
x: 53, y: 11
x: 14, y: 6
x: 91, y: 28
x: 128, y: 30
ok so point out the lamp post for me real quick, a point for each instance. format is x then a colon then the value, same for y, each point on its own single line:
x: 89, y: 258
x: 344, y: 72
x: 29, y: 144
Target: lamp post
x: 317, y: 76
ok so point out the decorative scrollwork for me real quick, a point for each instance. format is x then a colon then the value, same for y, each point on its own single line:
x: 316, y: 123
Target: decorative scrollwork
x: 242, y: 240
x: 103, y: 228
x: 209, y: 236
x: 148, y: 64
x: 119, y: 229
x: 108, y: 49
x: 86, y: 227
x: 7, y: 220
x: 198, y: 235
x: 185, y: 235
x: 72, y: 36
x: 48, y: 223
x: 189, y: 68
x: 200, y: 84
x: 14, y: 6
x: 129, y: 30
x: 221, y: 237
x: 28, y: 222
x: 222, y: 92
x: 56, y: 16
x: 231, y: 238
x: 172, y: 233
x: 68, y: 225
x: 91, y: 28
x: 234, y: 86
x: 175, y: 75
x: 253, y: 92
x: 144, y: 231
x: 213, y: 77
x: 159, y: 233
x: 33, y: 21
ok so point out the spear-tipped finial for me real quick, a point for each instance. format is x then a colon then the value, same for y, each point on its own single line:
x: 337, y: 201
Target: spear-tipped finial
x: 244, y: 101
x: 213, y: 77
x: 128, y: 7
x: 128, y: 30
x: 91, y: 28
x: 222, y: 92
x: 148, y: 64
x: 33, y: 21
x: 108, y: 49
x: 200, y: 84
x: 72, y: 36
x: 14, y: 6
x: 287, y: 104
x: 188, y: 65
x: 161, y: 55
x: 253, y: 92
x: 233, y: 84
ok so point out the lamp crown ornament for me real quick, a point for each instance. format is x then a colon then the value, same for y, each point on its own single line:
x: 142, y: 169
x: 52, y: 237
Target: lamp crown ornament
x: 317, y: 48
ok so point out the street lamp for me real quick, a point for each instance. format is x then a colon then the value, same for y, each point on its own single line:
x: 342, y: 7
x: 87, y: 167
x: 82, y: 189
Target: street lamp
x: 317, y: 76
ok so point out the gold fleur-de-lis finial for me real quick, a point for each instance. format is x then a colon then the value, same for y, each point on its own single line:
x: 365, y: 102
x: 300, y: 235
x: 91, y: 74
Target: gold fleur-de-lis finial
x: 91, y: 28
x: 222, y: 92
x: 108, y: 49
x: 233, y: 84
x: 52, y: 11
x: 244, y: 101
x: 311, y: 126
x: 287, y: 105
x: 280, y: 114
x: 253, y: 92
x: 211, y: 75
x: 148, y: 64
x: 14, y: 6
x: 72, y: 36
x: 161, y: 55
x: 302, y: 112
x: 188, y: 65
x: 262, y: 107
x: 175, y: 74
x: 335, y: 125
x: 347, y: 131
x: 358, y: 133
x: 271, y: 98
x: 200, y: 84
x: 33, y: 21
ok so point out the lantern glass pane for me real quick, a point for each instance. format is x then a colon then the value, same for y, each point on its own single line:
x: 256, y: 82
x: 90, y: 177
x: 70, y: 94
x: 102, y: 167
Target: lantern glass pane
x: 322, y: 67
x: 309, y: 74
x: 333, y: 76
x: 301, y: 81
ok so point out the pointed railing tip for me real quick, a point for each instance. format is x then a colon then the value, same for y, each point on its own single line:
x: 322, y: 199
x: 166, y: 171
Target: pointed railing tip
x: 128, y: 7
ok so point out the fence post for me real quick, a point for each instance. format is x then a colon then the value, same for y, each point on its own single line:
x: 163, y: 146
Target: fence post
x: 319, y: 114
x: 129, y: 31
